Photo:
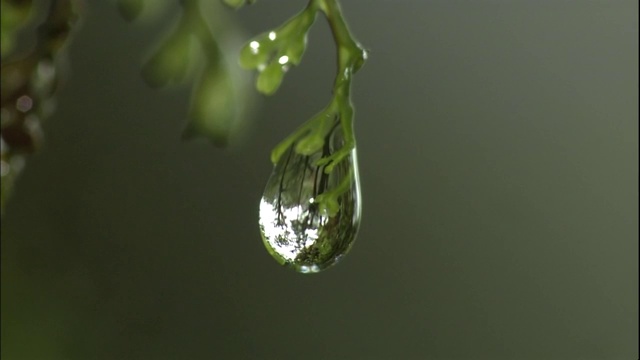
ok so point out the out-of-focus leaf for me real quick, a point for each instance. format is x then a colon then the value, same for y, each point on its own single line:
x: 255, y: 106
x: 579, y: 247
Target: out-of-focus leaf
x: 130, y: 9
x: 213, y: 106
x: 218, y: 98
x: 13, y: 15
x: 170, y: 63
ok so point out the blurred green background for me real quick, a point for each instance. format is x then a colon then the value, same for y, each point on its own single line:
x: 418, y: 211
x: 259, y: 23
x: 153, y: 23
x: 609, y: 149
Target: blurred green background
x: 498, y: 146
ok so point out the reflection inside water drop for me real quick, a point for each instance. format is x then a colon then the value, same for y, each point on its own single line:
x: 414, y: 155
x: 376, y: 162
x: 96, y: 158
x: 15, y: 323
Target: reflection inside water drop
x: 296, y: 228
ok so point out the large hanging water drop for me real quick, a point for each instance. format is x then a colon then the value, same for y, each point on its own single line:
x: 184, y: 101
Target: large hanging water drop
x: 308, y: 218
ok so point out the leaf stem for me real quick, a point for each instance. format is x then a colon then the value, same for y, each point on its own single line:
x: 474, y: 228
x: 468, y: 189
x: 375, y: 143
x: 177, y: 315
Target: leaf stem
x: 351, y: 56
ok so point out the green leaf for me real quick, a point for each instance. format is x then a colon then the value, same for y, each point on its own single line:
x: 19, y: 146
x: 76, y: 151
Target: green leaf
x: 296, y: 48
x: 314, y: 140
x: 256, y: 53
x: 270, y: 78
x: 170, y: 63
x: 213, y: 106
x: 13, y: 16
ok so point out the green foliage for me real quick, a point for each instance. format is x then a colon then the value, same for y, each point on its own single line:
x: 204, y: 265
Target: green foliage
x: 216, y: 98
x: 273, y: 52
x: 194, y: 53
x: 214, y: 105
x: 169, y: 64
x: 219, y: 92
x: 13, y: 16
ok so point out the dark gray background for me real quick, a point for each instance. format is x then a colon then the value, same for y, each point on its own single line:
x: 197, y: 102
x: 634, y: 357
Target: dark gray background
x: 498, y: 152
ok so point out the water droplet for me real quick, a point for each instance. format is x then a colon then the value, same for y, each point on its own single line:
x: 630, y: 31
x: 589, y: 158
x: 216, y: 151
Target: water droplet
x: 300, y: 223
